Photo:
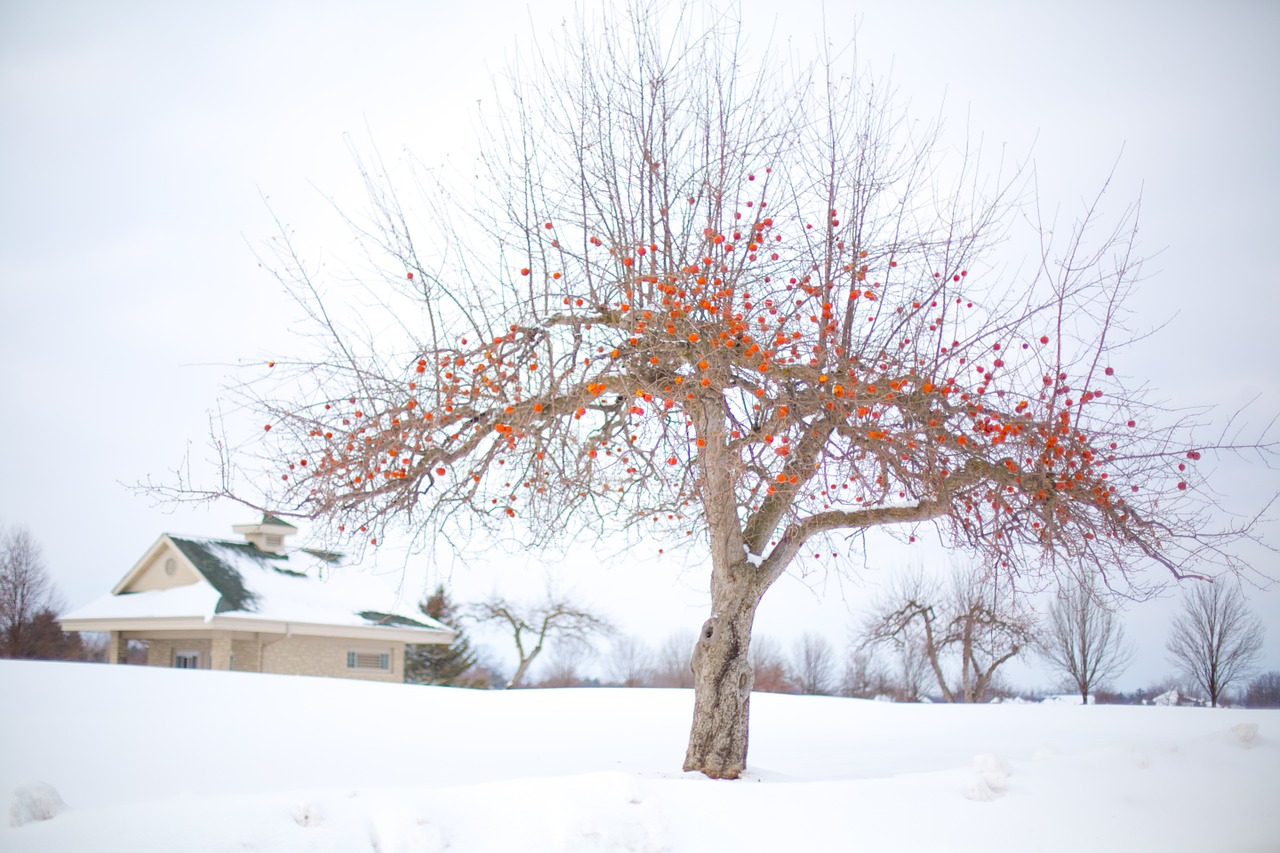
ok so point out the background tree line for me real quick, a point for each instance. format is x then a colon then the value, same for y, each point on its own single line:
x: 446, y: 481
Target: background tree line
x: 924, y: 638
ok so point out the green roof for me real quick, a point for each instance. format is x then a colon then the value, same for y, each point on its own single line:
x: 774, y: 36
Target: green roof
x: 268, y: 518
x: 225, y: 579
x: 378, y: 618
x: 327, y: 556
x: 248, y: 580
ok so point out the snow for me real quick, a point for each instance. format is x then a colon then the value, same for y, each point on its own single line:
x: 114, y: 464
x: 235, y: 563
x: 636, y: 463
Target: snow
x: 196, y: 600
x: 152, y: 759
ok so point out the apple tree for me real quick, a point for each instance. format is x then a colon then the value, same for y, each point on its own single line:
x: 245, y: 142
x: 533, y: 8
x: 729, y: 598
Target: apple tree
x: 748, y: 306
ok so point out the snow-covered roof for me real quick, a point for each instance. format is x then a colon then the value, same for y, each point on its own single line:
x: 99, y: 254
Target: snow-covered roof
x: 236, y: 585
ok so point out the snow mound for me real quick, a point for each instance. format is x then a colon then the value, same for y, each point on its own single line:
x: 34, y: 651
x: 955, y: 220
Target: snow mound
x: 992, y: 780
x: 1245, y: 732
x: 400, y: 827
x: 612, y: 814
x: 1172, y: 698
x: 34, y: 801
x: 307, y: 815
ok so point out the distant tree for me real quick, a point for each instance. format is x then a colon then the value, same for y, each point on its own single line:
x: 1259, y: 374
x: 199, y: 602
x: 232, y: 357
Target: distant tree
x: 987, y: 628
x: 630, y: 662
x: 914, y: 675
x: 565, y: 665
x: 136, y: 652
x: 910, y: 675
x: 1263, y: 691
x: 93, y: 646
x: 1083, y: 640
x: 673, y: 661
x: 769, y: 666
x: 44, y: 639
x: 1215, y: 639
x: 532, y: 626
x: 973, y: 620
x: 435, y: 663
x: 863, y: 677
x: 29, y: 603
x: 813, y: 665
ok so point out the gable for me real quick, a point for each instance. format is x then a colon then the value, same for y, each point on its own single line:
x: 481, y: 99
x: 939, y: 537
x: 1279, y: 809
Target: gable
x: 163, y: 567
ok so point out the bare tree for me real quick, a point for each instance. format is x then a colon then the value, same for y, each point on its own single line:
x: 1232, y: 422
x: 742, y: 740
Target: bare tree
x: 1084, y: 640
x: 906, y: 641
x: 909, y: 620
x: 1215, y: 639
x: 914, y: 674
x: 564, y: 667
x: 747, y: 305
x: 972, y: 620
x: 29, y: 603
x: 533, y: 626
x: 630, y: 662
x: 863, y: 677
x: 1263, y: 691
x: 988, y: 629
x: 813, y: 665
x: 674, y: 657
x: 769, y: 666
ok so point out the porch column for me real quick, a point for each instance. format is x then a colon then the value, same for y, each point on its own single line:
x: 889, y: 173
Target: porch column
x: 117, y: 648
x: 220, y: 653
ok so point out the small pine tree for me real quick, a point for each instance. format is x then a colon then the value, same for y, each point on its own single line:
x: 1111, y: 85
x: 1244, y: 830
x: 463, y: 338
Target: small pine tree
x: 42, y: 638
x: 436, y: 663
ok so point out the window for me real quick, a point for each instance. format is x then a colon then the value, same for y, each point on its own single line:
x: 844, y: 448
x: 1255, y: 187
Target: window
x: 186, y: 660
x: 368, y: 660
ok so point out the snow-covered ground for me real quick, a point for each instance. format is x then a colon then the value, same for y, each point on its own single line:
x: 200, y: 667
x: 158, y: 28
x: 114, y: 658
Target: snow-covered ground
x: 177, y: 760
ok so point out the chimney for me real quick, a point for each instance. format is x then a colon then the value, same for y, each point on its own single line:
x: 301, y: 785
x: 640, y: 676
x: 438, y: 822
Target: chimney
x: 267, y: 535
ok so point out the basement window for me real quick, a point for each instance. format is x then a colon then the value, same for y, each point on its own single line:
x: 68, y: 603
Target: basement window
x: 368, y: 660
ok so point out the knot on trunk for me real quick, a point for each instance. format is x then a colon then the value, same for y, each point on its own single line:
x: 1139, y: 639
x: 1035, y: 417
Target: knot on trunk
x: 704, y: 639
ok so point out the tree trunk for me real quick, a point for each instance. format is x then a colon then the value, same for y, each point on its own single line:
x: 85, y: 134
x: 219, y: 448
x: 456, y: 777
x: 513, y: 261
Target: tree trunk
x: 722, y: 683
x: 523, y: 667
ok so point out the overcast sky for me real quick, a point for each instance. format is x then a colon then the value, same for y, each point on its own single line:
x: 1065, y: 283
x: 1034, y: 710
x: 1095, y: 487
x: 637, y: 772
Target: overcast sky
x: 137, y: 141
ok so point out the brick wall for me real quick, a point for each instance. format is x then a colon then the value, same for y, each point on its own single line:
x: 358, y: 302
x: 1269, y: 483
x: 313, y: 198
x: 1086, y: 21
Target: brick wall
x: 160, y: 652
x: 292, y: 655
x: 245, y: 656
x: 298, y: 655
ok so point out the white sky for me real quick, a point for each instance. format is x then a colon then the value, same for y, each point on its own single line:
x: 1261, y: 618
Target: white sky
x: 136, y: 139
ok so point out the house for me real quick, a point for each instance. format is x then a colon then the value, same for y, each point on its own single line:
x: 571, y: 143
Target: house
x: 257, y: 605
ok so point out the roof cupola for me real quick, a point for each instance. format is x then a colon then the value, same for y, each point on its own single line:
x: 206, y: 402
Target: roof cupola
x: 267, y: 535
